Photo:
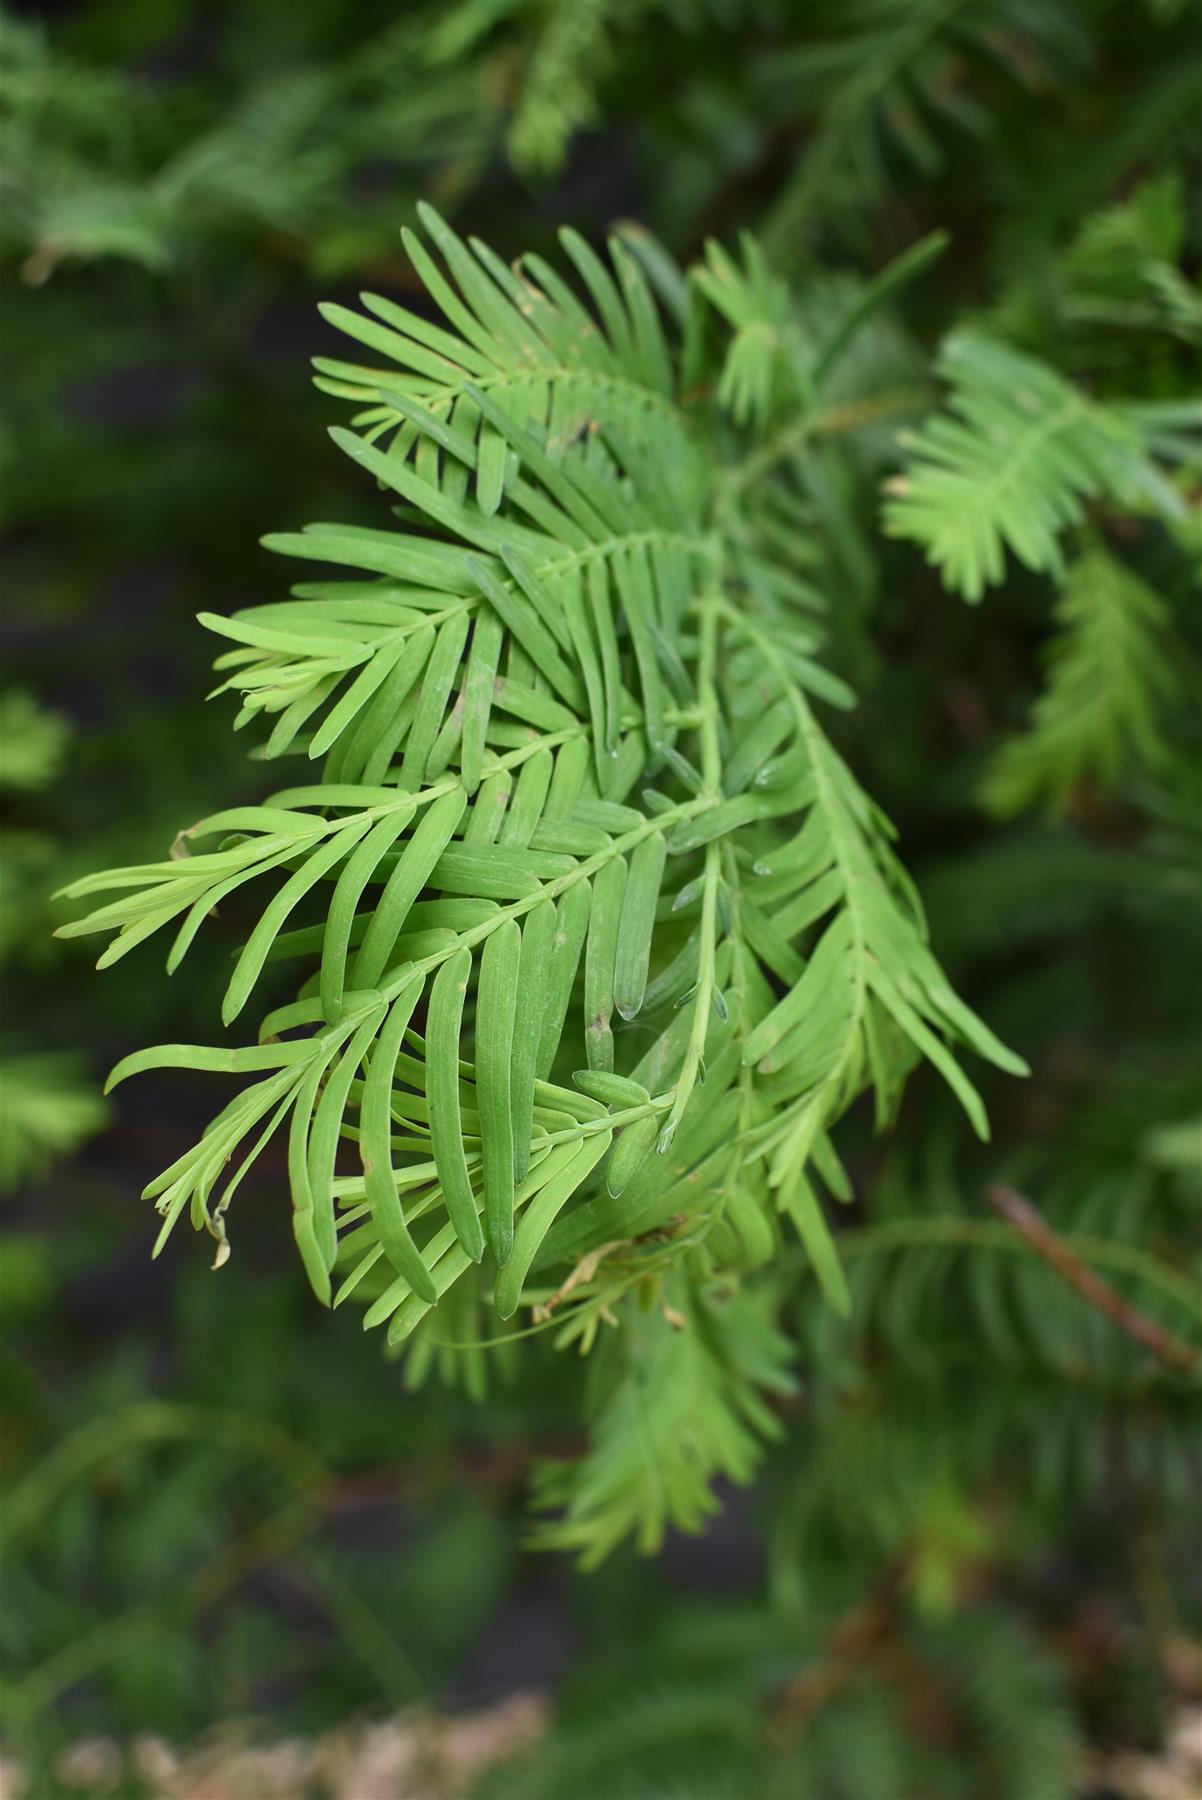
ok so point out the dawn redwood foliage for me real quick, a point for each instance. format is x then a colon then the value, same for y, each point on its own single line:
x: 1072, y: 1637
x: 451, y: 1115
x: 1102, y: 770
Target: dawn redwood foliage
x: 597, y: 933
x: 894, y: 396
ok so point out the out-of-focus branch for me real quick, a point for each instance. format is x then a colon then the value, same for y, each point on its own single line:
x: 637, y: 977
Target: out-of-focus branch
x: 852, y: 1642
x: 1030, y: 1224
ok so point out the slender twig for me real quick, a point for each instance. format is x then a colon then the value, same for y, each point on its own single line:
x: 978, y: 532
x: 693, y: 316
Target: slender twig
x: 958, y: 1232
x: 1030, y: 1224
x: 854, y: 1638
x: 832, y: 421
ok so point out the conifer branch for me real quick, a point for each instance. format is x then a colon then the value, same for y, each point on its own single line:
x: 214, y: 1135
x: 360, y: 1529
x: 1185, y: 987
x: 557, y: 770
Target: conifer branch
x: 1026, y: 1219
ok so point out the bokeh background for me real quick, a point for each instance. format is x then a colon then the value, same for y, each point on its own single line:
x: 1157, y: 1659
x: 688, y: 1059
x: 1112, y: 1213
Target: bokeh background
x: 241, y: 1551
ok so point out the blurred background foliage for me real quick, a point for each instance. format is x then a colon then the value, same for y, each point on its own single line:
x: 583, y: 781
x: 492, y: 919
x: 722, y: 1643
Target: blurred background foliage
x: 966, y: 1567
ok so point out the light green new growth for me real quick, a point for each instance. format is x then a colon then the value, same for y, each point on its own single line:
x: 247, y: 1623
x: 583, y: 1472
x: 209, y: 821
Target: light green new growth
x: 1108, y: 676
x: 599, y: 935
x: 1010, y: 464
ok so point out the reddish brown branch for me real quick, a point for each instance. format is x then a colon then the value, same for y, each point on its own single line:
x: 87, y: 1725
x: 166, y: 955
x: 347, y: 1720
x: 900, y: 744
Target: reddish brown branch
x: 1034, y: 1229
x: 853, y: 1641
x: 484, y: 1467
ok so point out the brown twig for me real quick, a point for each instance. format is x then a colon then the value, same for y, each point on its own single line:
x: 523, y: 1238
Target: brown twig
x: 1030, y: 1224
x: 855, y: 1638
x: 484, y: 1468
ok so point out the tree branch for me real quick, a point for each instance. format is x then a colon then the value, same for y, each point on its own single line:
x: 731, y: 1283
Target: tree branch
x: 855, y: 1637
x: 1030, y: 1224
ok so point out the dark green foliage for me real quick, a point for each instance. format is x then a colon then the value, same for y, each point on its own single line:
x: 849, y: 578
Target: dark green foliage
x: 47, y: 1104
